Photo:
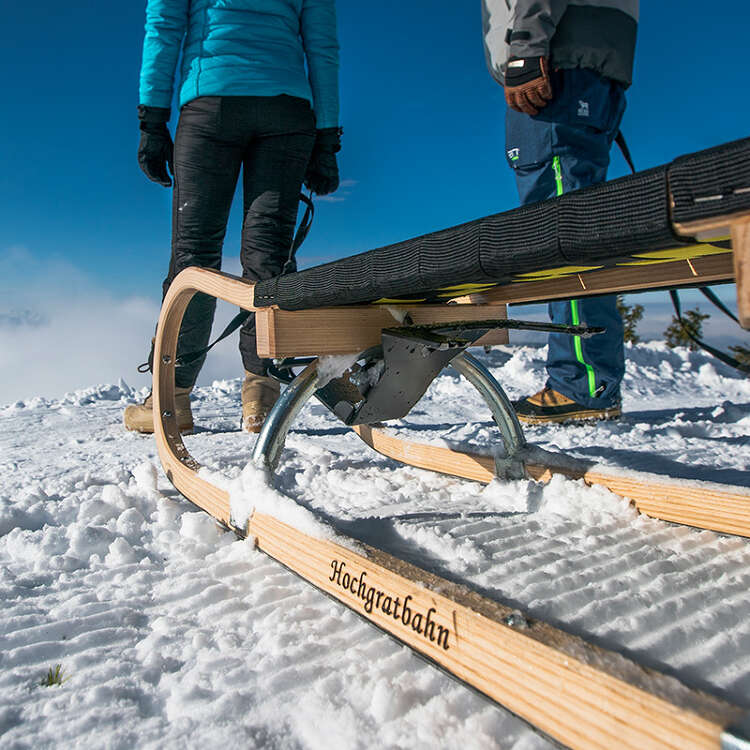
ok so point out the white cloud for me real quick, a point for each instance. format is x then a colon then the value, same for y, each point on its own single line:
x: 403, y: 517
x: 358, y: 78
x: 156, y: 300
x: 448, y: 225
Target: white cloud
x: 344, y: 191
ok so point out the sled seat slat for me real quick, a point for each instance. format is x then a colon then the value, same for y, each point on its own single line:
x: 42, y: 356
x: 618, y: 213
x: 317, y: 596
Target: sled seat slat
x: 344, y: 330
x: 702, y: 271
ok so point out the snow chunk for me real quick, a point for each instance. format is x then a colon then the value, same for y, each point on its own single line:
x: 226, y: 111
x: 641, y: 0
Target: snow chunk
x: 146, y: 476
x: 198, y: 526
x: 708, y: 376
x: 256, y: 485
x: 573, y: 499
x: 388, y: 700
x: 399, y: 313
x: 130, y: 523
x: 87, y: 541
x: 113, y: 495
x: 509, y: 497
x: 333, y: 366
x: 120, y: 553
x: 96, y: 393
x: 253, y: 491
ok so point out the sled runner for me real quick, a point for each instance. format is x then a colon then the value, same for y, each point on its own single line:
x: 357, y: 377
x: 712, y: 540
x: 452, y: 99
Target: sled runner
x: 685, y: 224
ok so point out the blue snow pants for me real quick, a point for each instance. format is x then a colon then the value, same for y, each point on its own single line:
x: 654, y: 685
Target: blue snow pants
x: 566, y: 147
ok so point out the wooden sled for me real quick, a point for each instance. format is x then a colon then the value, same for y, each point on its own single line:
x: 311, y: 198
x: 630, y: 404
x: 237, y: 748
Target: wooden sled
x: 579, y: 694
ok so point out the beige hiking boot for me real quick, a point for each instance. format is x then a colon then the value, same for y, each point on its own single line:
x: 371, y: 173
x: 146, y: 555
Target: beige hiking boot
x: 140, y: 417
x: 259, y: 394
x: 550, y: 406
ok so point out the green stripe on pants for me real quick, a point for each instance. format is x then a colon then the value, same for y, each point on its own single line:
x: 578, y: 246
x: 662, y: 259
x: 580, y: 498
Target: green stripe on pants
x: 557, y: 169
x: 578, y: 345
x: 577, y: 342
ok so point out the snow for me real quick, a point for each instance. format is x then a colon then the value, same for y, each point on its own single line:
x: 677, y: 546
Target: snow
x: 173, y: 633
x: 334, y: 365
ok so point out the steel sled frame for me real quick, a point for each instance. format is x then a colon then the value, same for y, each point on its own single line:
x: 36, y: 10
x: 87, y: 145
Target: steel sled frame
x: 579, y: 694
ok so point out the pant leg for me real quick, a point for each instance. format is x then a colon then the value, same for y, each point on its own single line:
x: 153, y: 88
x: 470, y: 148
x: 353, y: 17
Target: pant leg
x: 564, y: 148
x: 587, y: 370
x: 206, y: 166
x: 274, y: 167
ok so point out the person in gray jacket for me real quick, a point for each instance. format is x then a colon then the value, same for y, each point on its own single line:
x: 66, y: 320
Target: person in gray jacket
x: 565, y: 65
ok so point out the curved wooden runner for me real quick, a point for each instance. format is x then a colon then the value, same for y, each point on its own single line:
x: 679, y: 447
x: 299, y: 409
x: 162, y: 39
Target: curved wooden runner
x: 703, y: 505
x: 579, y: 694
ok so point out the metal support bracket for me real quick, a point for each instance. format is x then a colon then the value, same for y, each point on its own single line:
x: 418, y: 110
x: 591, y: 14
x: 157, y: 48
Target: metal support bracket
x: 409, y: 364
x: 338, y: 394
x: 271, y: 440
x: 396, y: 374
x: 511, y: 465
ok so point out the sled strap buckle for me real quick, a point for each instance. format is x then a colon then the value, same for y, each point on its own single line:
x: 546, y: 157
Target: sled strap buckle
x: 737, y: 737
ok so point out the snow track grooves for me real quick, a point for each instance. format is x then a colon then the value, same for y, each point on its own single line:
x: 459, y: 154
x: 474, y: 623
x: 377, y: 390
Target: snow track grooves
x: 634, y: 590
x: 173, y: 634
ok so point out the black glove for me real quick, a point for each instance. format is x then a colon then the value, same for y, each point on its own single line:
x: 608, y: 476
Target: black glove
x: 155, y: 149
x: 322, y: 176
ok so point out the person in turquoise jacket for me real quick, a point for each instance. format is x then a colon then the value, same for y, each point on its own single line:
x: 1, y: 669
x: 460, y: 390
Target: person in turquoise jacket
x: 258, y: 96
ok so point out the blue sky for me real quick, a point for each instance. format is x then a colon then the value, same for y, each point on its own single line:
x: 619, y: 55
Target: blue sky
x: 422, y: 147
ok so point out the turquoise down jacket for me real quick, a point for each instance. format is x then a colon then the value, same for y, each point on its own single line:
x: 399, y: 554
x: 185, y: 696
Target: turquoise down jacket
x: 242, y: 48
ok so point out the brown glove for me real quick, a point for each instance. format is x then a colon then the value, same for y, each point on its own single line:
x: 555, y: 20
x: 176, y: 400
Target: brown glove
x: 527, y: 84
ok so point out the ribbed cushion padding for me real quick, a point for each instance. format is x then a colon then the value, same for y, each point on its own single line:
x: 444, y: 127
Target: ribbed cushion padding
x: 712, y: 182
x: 593, y: 226
x: 622, y: 217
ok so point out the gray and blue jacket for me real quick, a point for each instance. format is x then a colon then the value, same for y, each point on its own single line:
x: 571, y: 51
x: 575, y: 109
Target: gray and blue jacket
x: 242, y: 48
x: 596, y: 35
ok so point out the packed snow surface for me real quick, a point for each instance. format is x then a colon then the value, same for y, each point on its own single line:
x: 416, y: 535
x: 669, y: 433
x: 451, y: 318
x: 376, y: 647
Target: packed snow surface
x: 172, y: 633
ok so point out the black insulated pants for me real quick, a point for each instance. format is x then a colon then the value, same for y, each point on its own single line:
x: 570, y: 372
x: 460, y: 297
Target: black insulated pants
x: 270, y: 139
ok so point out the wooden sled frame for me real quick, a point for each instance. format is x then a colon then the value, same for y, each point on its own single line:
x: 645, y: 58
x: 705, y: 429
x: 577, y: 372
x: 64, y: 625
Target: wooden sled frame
x: 579, y: 694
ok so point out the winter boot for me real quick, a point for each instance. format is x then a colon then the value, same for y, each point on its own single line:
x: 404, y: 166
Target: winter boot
x: 140, y: 417
x: 259, y: 394
x: 550, y: 406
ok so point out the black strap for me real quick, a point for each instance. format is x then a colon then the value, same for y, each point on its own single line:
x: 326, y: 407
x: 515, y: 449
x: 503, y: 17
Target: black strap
x: 711, y: 297
x: 289, y: 266
x: 622, y: 144
x: 721, y: 356
x: 233, y: 325
x: 302, y: 231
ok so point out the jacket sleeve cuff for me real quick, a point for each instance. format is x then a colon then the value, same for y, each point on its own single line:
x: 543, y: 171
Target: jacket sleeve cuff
x: 153, y: 115
x: 528, y: 49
